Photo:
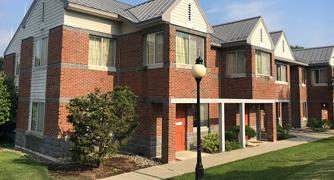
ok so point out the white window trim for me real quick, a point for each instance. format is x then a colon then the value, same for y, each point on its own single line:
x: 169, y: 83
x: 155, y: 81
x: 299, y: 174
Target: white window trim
x: 263, y: 75
x: 34, y: 67
x: 30, y: 131
x: 183, y: 65
x: 155, y: 65
x: 104, y: 68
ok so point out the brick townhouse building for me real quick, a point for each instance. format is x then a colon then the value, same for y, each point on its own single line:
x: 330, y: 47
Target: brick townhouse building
x: 67, y: 48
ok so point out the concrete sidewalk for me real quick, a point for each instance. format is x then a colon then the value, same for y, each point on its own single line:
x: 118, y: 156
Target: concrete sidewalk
x: 187, y: 166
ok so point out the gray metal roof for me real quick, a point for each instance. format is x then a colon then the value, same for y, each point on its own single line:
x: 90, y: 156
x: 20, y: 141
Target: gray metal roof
x: 149, y: 9
x: 235, y: 31
x: 141, y: 12
x: 275, y: 36
x: 112, y: 6
x: 318, y: 55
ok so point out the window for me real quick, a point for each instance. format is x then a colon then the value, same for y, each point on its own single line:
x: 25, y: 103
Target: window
x: 154, y: 48
x: 236, y: 63
x: 303, y: 76
x: 304, y: 109
x: 263, y: 63
x: 261, y: 35
x: 17, y: 65
x: 188, y: 48
x: 102, y: 51
x: 41, y: 52
x: 37, y: 117
x: 319, y: 76
x: 204, y: 115
x: 283, y: 44
x: 189, y: 12
x: 281, y: 73
x: 43, y: 12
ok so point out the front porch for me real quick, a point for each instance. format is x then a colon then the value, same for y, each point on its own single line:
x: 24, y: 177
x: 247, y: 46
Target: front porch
x: 257, y: 113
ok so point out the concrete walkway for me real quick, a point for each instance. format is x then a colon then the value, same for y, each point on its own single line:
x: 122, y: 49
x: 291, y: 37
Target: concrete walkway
x: 187, y: 166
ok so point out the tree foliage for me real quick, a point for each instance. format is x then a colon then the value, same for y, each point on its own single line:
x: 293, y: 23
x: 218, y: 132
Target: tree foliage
x: 1, y: 63
x: 8, y: 98
x: 296, y: 47
x: 102, y: 122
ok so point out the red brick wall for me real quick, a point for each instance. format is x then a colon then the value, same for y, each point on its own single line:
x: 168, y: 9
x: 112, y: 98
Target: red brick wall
x: 24, y: 84
x: 9, y: 65
x: 319, y: 94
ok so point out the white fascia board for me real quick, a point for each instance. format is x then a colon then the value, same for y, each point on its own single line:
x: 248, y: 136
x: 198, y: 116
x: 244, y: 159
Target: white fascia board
x: 91, y: 11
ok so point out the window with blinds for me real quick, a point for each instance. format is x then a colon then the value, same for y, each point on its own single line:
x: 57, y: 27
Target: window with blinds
x: 281, y: 71
x: 154, y: 47
x: 236, y: 63
x: 303, y: 76
x: 188, y: 48
x: 263, y: 63
x: 41, y: 52
x: 102, y: 51
x: 37, y: 117
x: 17, y: 64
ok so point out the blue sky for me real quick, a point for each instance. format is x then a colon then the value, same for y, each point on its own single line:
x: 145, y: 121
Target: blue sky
x: 307, y: 23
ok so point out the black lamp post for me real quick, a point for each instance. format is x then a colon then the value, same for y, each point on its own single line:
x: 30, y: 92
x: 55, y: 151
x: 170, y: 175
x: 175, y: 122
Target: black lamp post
x: 198, y: 71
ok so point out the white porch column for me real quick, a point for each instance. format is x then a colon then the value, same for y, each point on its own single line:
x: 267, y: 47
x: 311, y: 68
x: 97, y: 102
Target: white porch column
x: 222, y: 127
x: 242, y: 135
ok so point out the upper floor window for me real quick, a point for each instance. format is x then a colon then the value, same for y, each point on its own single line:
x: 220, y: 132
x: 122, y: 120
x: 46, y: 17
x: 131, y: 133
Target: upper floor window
x: 319, y: 77
x: 236, y: 63
x: 37, y: 117
x: 304, y: 75
x: 154, y: 48
x: 188, y: 48
x: 261, y: 35
x: 17, y: 64
x: 41, y: 52
x: 102, y: 51
x: 281, y: 73
x: 263, y: 63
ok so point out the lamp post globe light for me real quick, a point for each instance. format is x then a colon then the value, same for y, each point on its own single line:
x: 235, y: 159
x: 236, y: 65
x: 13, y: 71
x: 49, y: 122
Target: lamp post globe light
x: 198, y: 71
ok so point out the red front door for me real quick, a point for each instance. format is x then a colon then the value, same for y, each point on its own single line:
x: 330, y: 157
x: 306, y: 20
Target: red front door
x: 180, y: 125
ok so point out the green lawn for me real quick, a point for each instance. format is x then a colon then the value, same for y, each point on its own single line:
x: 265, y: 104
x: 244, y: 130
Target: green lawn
x: 14, y: 166
x: 309, y: 161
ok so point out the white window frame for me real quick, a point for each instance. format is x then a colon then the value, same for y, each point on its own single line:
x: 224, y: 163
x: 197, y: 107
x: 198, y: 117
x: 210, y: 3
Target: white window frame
x: 313, y: 77
x: 155, y: 64
x: 30, y: 130
x: 111, y: 68
x: 270, y: 59
x: 43, y: 52
x: 17, y: 64
x: 280, y: 81
x: 188, y: 65
x: 236, y: 57
x: 303, y: 76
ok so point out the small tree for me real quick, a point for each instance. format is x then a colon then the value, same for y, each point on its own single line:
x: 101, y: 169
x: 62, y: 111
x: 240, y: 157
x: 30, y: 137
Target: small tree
x: 8, y: 98
x: 102, y: 122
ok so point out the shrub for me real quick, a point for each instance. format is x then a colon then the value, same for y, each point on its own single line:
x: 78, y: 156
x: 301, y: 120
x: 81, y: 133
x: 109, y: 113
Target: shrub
x: 102, y: 122
x: 8, y: 98
x: 283, y: 132
x: 318, y: 125
x: 233, y: 133
x: 211, y: 143
x: 232, y: 145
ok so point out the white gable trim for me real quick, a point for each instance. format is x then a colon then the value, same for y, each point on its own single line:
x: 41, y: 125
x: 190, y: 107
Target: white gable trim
x: 166, y: 16
x: 331, y: 60
x: 249, y: 38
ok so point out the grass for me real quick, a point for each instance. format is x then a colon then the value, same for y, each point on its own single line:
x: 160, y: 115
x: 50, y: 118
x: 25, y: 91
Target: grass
x: 309, y: 161
x: 14, y: 166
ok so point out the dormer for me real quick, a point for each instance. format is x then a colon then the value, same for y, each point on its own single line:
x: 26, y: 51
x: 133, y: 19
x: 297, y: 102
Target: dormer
x: 282, y: 50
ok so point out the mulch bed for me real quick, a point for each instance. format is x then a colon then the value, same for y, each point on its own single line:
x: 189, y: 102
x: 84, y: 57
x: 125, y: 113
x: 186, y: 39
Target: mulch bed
x: 112, y: 166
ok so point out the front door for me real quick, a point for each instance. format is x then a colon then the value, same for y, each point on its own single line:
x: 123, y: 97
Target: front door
x: 180, y: 124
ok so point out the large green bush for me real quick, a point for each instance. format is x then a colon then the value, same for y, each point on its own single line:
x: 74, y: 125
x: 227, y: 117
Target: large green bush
x: 318, y: 125
x: 233, y: 133
x: 283, y: 132
x: 8, y: 98
x: 211, y: 143
x: 102, y: 122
